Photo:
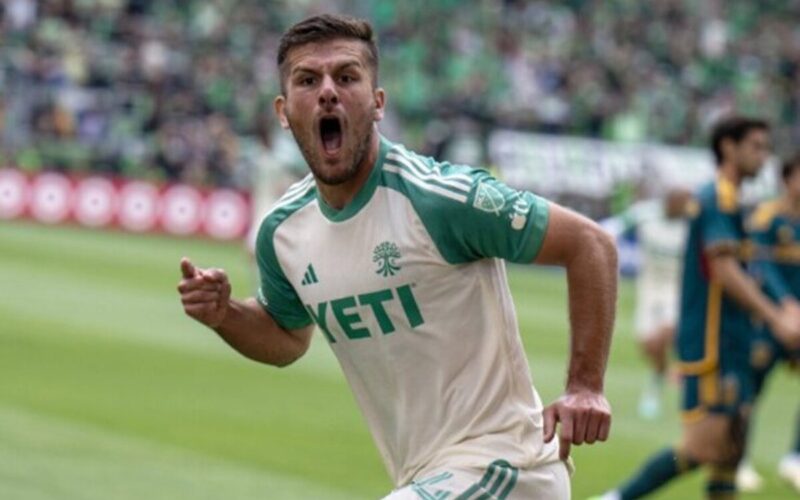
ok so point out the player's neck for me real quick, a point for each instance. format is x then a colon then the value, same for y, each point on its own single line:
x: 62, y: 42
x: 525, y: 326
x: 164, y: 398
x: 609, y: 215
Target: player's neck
x: 340, y: 195
x: 729, y: 172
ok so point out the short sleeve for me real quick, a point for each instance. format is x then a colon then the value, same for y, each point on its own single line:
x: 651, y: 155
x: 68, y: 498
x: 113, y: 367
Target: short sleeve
x: 765, y: 267
x: 491, y: 221
x: 275, y: 294
x: 718, y: 226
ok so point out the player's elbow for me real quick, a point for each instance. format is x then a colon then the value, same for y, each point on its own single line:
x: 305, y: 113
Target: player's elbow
x: 284, y: 362
x: 609, y: 247
x: 281, y: 355
x: 298, y: 345
x: 725, y: 270
x: 596, y: 244
x: 278, y: 360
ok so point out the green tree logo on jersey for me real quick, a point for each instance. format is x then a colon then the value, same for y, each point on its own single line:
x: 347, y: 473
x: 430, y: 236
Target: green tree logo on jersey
x: 385, y: 255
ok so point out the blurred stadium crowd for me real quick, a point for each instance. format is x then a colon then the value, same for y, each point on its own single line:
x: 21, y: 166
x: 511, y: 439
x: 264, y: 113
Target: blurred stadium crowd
x: 179, y: 90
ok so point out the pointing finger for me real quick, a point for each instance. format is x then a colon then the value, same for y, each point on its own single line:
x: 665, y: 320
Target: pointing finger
x: 549, y: 424
x: 187, y: 268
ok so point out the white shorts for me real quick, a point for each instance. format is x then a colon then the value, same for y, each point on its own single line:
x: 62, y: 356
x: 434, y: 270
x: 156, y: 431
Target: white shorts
x: 656, y: 306
x: 500, y: 481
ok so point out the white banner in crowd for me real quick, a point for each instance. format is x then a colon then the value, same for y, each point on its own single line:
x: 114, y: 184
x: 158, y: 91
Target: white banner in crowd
x: 558, y: 165
x: 136, y: 206
x: 554, y: 166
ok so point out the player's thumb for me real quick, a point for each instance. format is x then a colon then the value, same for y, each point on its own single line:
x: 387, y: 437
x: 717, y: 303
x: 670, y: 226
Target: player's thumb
x: 187, y: 268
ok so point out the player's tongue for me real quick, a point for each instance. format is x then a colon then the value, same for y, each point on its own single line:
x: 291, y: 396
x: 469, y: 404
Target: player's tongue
x: 330, y: 131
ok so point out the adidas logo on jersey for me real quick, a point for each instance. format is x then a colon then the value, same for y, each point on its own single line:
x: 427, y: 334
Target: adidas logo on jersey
x: 310, y: 277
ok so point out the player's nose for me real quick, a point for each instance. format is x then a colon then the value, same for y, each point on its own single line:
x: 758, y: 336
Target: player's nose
x: 328, y: 97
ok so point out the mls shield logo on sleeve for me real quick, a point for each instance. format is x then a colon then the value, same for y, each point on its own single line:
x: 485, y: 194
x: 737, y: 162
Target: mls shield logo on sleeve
x: 489, y: 199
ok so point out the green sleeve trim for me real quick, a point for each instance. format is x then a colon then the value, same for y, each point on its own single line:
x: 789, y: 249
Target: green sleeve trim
x: 540, y: 215
x: 283, y: 322
x: 276, y: 294
x: 468, y: 214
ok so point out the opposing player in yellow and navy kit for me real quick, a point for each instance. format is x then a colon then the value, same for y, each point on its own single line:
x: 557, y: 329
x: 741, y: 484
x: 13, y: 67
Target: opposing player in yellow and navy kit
x: 775, y: 227
x: 714, y: 329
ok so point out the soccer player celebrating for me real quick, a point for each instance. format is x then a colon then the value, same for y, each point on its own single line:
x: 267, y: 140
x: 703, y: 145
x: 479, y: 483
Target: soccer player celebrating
x: 398, y: 260
x: 776, y: 230
x: 714, y: 330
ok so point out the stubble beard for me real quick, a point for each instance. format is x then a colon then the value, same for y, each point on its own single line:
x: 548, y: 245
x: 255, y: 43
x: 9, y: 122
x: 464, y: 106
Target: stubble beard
x: 748, y: 172
x: 316, y: 163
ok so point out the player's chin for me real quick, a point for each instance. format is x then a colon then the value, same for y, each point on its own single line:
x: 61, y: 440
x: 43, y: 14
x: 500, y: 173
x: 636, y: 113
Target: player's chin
x: 334, y: 173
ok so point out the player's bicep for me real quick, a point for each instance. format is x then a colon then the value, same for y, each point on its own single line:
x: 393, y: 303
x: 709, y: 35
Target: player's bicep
x: 725, y: 268
x: 567, y: 234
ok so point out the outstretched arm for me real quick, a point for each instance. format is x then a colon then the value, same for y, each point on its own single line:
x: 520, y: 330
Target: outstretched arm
x: 590, y: 258
x: 244, y: 325
x: 784, y: 322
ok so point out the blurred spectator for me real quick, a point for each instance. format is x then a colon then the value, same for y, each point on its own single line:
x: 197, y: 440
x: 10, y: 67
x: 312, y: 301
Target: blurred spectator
x: 170, y: 89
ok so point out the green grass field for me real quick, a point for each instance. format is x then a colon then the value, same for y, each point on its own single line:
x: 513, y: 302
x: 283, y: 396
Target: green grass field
x: 107, y: 391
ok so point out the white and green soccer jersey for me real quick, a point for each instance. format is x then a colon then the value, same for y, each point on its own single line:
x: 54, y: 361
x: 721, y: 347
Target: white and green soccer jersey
x: 408, y: 285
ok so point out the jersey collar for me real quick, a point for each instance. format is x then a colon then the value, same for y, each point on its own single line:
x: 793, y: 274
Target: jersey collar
x: 364, y: 194
x: 727, y: 194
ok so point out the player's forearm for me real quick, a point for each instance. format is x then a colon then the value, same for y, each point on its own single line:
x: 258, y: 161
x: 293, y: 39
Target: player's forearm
x: 254, y: 333
x: 774, y: 282
x: 742, y: 288
x: 592, y: 283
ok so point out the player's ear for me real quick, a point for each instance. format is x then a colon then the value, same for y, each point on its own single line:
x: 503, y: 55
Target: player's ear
x: 380, y: 102
x: 280, y: 110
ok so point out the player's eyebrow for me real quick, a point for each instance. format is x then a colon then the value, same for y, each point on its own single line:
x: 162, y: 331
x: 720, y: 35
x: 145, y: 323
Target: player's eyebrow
x: 340, y: 66
x: 347, y: 64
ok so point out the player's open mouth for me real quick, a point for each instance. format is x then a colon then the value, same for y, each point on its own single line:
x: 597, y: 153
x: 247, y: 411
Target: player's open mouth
x: 330, y: 131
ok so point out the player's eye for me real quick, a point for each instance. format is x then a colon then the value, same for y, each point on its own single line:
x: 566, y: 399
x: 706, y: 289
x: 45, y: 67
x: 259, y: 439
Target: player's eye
x: 347, y: 78
x: 307, y: 80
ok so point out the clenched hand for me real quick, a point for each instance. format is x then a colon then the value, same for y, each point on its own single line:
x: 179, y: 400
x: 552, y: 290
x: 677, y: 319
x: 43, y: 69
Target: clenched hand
x: 585, y: 417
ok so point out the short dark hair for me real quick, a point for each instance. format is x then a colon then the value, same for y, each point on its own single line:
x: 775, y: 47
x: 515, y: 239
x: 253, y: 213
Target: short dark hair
x: 734, y: 128
x: 329, y: 27
x: 789, y: 167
